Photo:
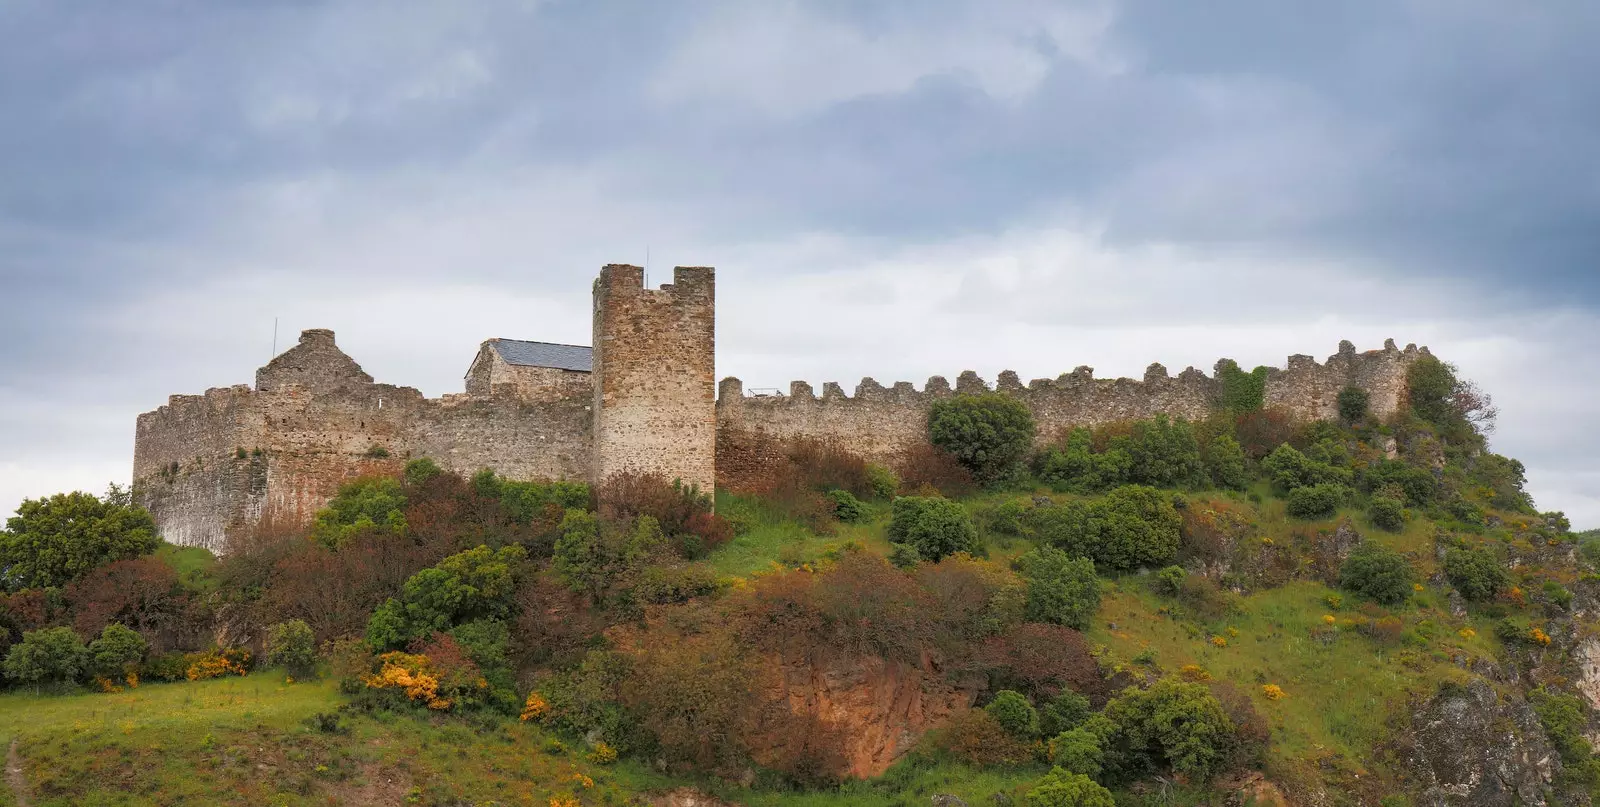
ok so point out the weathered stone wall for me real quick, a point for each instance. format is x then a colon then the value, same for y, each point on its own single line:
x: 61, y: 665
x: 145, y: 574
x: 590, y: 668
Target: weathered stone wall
x: 207, y: 466
x: 880, y: 423
x: 490, y: 372
x: 655, y: 390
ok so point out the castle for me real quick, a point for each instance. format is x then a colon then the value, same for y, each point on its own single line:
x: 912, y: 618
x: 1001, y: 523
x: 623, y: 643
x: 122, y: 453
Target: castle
x: 642, y: 398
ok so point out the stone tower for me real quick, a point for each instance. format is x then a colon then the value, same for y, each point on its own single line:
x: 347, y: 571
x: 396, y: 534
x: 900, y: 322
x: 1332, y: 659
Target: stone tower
x: 654, y: 375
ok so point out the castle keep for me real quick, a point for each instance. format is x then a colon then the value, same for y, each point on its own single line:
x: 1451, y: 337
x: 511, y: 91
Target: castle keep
x: 643, y: 398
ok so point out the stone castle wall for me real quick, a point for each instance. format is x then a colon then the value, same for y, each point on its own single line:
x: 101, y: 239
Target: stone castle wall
x: 654, y: 371
x: 881, y: 423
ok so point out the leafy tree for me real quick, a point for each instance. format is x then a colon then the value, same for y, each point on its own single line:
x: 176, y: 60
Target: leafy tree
x: 1377, y: 572
x: 1170, y: 580
x: 420, y: 470
x: 1066, y: 711
x: 1289, y: 469
x: 989, y: 434
x: 582, y: 560
x: 1062, y: 590
x: 116, y: 652
x: 1387, y: 513
x: 1015, y: 714
x: 368, y: 504
x: 292, y: 646
x: 1353, y: 402
x: 1476, y: 573
x: 1129, y: 527
x: 1075, y: 467
x: 1316, y: 501
x: 53, y: 541
x: 1061, y: 788
x: 1224, y: 463
x: 1439, y: 396
x: 475, y: 584
x: 1077, y: 750
x: 1241, y: 392
x: 1173, y: 724
x: 48, y: 655
x: 525, y: 501
x: 933, y: 526
x: 1164, y: 453
x: 846, y: 507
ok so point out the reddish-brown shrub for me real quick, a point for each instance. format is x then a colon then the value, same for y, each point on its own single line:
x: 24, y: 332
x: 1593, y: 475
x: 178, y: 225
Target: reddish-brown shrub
x: 872, y: 608
x: 140, y: 593
x: 450, y: 664
x: 823, y: 465
x: 976, y: 738
x: 694, y: 694
x: 925, y: 464
x: 1250, y: 730
x: 1261, y: 431
x: 803, y: 746
x: 970, y: 599
x: 554, y: 625
x: 1039, y: 660
x: 681, y: 511
x: 336, y: 591
x: 777, y: 613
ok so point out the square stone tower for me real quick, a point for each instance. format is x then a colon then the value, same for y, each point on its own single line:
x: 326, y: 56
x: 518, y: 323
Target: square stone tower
x: 654, y: 375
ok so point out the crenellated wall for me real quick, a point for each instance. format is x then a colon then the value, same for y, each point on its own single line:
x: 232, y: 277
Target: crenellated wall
x: 880, y: 423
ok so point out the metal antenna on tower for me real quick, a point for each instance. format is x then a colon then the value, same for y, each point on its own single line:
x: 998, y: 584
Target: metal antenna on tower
x: 647, y: 266
x: 274, y: 339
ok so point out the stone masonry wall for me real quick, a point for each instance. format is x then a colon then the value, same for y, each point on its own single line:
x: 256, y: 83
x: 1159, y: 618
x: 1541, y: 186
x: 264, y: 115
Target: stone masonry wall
x: 880, y: 423
x: 489, y: 371
x: 655, y: 390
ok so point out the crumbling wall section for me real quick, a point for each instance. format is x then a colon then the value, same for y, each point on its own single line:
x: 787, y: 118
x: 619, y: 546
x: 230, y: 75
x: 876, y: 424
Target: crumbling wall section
x: 654, y: 375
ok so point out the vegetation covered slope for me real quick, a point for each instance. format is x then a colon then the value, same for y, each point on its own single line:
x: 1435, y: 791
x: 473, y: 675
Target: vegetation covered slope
x: 1152, y: 612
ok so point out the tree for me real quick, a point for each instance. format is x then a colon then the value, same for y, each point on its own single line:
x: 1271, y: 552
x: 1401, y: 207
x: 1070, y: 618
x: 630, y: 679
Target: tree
x: 48, y: 655
x: 1014, y: 714
x: 1062, y: 590
x: 933, y: 526
x: 475, y: 584
x: 363, y: 505
x: 1316, y: 501
x: 1174, y: 724
x: 1289, y: 469
x: 1387, y: 513
x: 1077, y: 750
x: 53, y: 541
x: 116, y: 652
x: 1066, y: 711
x: 1129, y: 527
x: 292, y: 646
x: 1061, y: 788
x: 1225, y: 463
x: 1377, y: 572
x: 1476, y: 573
x: 989, y: 434
x: 1353, y: 402
x: 1439, y: 396
x: 1164, y: 453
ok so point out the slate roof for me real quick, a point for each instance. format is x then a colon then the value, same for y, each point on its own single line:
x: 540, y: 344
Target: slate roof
x: 545, y: 354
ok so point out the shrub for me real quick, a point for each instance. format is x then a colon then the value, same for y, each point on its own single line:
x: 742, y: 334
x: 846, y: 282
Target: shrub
x: 976, y: 738
x: 1164, y: 453
x: 1077, y: 750
x: 1377, y: 572
x: 1565, y: 718
x: 1062, y: 590
x: 1014, y: 714
x: 1289, y: 469
x: 680, y: 510
x: 1241, y: 391
x: 1387, y: 513
x: 1040, y: 660
x: 846, y: 507
x: 882, y: 482
x: 475, y: 584
x: 1060, y: 788
x: 292, y: 646
x: 1170, y: 580
x: 1073, y: 466
x: 924, y: 465
x: 1129, y: 527
x: 1064, y: 712
x: 53, y: 541
x: 50, y: 655
x: 117, y: 652
x: 1418, y: 484
x: 420, y: 470
x: 1476, y: 573
x: 1352, y: 402
x: 933, y: 526
x: 988, y: 434
x: 370, y: 504
x: 1315, y: 501
x: 1173, y: 724
x: 216, y: 663
x: 1225, y: 465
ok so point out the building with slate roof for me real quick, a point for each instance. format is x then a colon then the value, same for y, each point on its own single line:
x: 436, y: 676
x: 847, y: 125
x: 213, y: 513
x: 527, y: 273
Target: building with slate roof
x: 533, y: 370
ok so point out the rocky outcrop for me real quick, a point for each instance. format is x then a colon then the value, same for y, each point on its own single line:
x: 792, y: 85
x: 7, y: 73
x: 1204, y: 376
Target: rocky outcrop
x: 1472, y: 747
x: 877, y: 708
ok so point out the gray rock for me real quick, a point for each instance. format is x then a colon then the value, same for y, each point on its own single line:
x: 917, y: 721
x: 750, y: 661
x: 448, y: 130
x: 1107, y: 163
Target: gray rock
x: 1471, y: 747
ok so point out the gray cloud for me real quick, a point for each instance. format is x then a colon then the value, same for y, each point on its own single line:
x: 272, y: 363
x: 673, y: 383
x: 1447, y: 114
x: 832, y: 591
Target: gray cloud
x: 1163, y: 177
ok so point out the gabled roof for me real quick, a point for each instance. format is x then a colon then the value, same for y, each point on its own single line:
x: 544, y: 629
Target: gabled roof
x: 545, y: 354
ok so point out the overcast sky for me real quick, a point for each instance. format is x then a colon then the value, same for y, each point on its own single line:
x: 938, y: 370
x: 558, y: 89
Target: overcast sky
x: 894, y: 189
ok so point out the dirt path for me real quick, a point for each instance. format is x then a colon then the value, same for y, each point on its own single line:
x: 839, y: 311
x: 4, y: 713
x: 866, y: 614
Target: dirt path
x: 14, y: 777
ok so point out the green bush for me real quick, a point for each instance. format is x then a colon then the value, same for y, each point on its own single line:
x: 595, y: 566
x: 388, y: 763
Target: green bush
x: 1060, y: 788
x: 1430, y: 385
x: 53, y: 541
x: 1170, y: 580
x: 1557, y: 594
x: 1015, y: 714
x: 1386, y: 513
x: 1064, y: 712
x: 1173, y: 724
x: 1241, y: 392
x: 989, y: 434
x: 117, y: 651
x: 370, y: 504
x: 1077, y: 750
x: 1289, y: 469
x: 1316, y: 501
x: 420, y: 470
x: 846, y: 507
x: 49, y: 655
x: 292, y: 646
x: 883, y: 482
x: 1418, y: 484
x: 1129, y: 527
x: 1353, y: 403
x: 933, y: 526
x: 1225, y: 465
x: 1074, y: 466
x: 1062, y: 590
x: 1163, y: 453
x: 475, y: 584
x: 1476, y: 573
x: 1564, y: 717
x: 1377, y: 572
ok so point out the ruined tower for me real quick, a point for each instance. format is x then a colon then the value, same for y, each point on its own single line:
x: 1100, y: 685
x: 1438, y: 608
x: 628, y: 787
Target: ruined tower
x: 654, y: 375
